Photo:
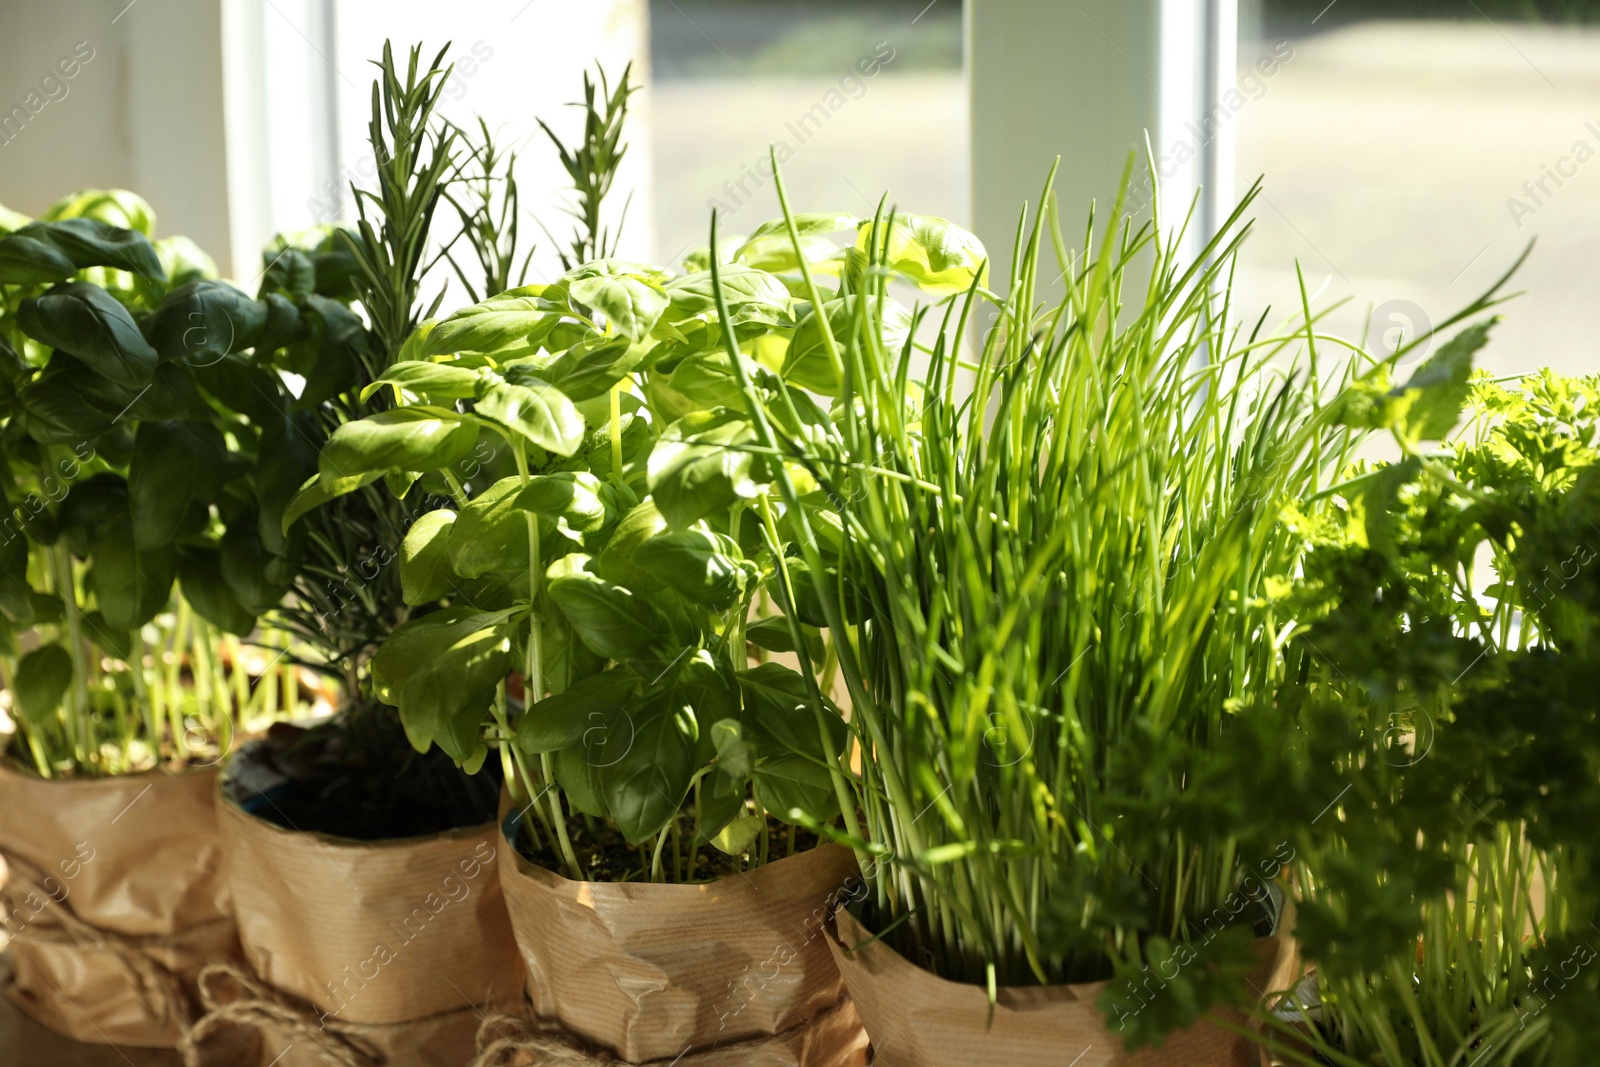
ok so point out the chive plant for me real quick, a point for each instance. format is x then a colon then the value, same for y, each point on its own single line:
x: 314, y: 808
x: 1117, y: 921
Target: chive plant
x: 1050, y: 572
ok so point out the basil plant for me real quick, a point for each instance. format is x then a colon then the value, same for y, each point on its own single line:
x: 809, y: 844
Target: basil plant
x: 627, y: 576
x: 130, y: 431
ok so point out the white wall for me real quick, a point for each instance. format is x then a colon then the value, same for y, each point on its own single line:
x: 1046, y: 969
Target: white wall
x: 237, y: 118
x: 143, y: 112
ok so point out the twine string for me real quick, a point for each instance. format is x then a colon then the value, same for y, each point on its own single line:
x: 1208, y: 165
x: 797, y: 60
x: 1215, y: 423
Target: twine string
x: 235, y: 998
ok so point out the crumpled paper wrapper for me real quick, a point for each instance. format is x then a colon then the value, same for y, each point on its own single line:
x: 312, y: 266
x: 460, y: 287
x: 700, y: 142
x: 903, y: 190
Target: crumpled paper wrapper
x: 406, y: 936
x: 134, y: 857
x: 652, y: 972
x: 917, y: 1019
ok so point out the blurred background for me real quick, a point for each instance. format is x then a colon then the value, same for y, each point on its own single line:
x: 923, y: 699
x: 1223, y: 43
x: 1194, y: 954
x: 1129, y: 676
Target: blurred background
x: 1410, y: 149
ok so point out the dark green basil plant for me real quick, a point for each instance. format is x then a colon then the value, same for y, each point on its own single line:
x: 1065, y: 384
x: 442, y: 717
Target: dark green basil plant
x: 128, y: 470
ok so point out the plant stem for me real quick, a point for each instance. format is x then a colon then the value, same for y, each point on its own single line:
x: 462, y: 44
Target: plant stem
x: 533, y: 678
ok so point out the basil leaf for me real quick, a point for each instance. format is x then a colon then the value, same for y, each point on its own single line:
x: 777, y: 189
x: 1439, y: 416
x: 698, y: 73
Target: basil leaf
x: 89, y: 242
x: 115, y: 207
x: 90, y: 323
x: 785, y: 784
x: 244, y: 387
x: 772, y: 633
x: 566, y: 658
x: 778, y: 705
x: 580, y: 781
x: 573, y: 501
x: 117, y: 642
x: 410, y: 645
x: 699, y: 469
x: 183, y: 260
x: 200, y: 577
x: 285, y: 459
x: 616, y: 561
x: 410, y: 438
x: 591, y: 367
x: 441, y: 671
x: 561, y: 721
x: 289, y: 273
x: 706, y: 567
x: 806, y: 362
x: 608, y: 618
x: 630, y: 300
x: 257, y: 578
x: 808, y: 224
x: 318, y: 490
x: 29, y: 261
x: 129, y: 585
x: 646, y: 766
x: 282, y: 326
x: 751, y: 295
x: 490, y: 535
x: 933, y: 253
x: 425, y: 572
x: 535, y: 411
x: 497, y: 324
x: 89, y: 507
x: 55, y: 413
x: 173, y: 463
x: 42, y: 678
x: 203, y: 321
x: 436, y: 381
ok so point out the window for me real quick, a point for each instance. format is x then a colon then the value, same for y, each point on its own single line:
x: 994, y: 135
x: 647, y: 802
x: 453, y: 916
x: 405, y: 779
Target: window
x: 856, y: 98
x: 1410, y: 156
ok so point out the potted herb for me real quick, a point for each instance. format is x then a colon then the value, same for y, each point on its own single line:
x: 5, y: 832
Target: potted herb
x: 607, y: 657
x: 1449, y: 901
x: 362, y: 871
x: 1051, y: 573
x: 124, y: 474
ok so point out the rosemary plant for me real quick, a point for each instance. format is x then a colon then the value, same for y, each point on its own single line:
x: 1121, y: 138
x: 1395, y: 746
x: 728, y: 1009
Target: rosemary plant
x: 337, y: 541
x: 592, y: 165
x: 347, y: 595
x: 347, y: 526
x: 491, y: 217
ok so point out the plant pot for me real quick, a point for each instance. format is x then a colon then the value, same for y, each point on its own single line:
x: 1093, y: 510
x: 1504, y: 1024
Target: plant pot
x: 735, y: 972
x: 115, y: 900
x: 390, y: 950
x: 916, y: 1019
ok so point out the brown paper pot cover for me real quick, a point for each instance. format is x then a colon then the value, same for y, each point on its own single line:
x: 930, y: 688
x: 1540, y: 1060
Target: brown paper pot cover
x: 410, y: 931
x: 648, y: 971
x: 916, y: 1019
x: 133, y: 868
